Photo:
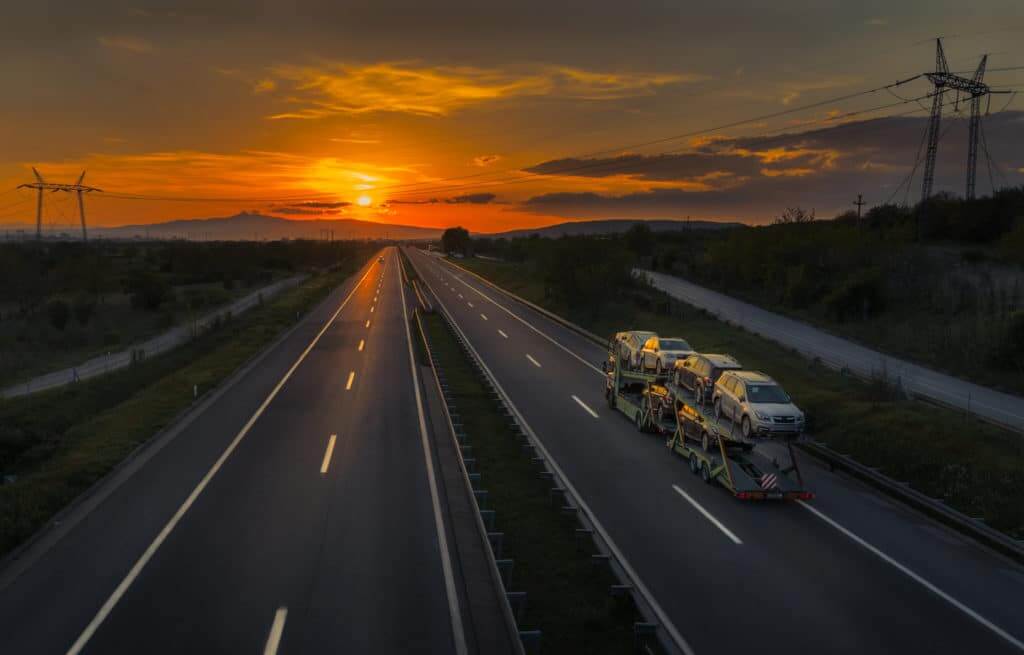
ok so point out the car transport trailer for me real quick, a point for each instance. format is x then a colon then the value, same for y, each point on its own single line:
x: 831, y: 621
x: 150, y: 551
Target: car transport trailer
x: 714, y: 452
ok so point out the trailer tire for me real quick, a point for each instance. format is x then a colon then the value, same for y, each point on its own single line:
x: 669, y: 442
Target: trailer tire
x: 694, y: 464
x: 745, y: 426
x: 705, y: 442
x: 611, y: 399
x: 657, y: 367
x: 705, y: 473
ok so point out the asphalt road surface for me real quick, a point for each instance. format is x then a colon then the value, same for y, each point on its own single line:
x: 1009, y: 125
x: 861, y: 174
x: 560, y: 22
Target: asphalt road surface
x: 849, y: 572
x: 294, y: 514
x: 1002, y: 408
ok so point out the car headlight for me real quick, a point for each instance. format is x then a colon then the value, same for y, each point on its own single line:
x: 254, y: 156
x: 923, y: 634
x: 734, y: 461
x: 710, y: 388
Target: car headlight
x: 763, y: 417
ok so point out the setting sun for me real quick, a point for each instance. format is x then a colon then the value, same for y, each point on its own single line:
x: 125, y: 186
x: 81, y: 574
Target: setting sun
x: 364, y: 201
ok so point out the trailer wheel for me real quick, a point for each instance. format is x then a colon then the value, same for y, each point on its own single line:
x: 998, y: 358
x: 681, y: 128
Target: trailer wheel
x: 705, y: 442
x: 746, y: 427
x: 657, y: 367
x: 611, y: 399
x: 639, y: 422
x: 694, y: 464
x: 705, y: 473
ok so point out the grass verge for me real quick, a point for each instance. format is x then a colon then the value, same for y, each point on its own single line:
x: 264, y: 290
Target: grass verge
x: 568, y: 599
x: 975, y: 467
x: 55, y: 445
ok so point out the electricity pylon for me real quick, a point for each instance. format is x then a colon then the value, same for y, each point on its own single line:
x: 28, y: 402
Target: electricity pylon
x: 41, y: 185
x: 968, y: 89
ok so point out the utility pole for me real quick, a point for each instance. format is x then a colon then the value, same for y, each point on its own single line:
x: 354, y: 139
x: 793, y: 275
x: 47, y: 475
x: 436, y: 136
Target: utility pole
x: 860, y: 203
x: 41, y: 185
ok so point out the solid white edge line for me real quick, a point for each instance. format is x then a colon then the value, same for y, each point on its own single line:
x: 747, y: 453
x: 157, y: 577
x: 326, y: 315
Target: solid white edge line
x: 662, y: 617
x: 351, y: 378
x: 527, y: 324
x: 1016, y: 643
x: 276, y: 630
x: 502, y: 333
x: 133, y: 573
x: 327, y: 454
x: 585, y: 406
x: 442, y: 537
x: 718, y: 524
x: 532, y: 360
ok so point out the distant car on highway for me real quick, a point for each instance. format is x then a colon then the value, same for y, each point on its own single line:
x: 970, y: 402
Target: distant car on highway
x: 757, y: 403
x: 627, y: 346
x: 660, y: 353
x: 699, y: 372
x: 380, y: 260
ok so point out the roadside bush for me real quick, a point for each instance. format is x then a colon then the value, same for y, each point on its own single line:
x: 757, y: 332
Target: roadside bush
x: 84, y: 308
x: 148, y: 291
x: 58, y: 313
x: 860, y: 297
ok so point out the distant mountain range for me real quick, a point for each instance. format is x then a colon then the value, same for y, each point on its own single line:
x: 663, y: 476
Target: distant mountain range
x: 242, y: 227
x: 610, y: 226
x: 246, y: 226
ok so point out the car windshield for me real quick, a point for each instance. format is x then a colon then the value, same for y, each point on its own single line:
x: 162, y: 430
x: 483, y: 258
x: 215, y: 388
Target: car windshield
x: 674, y: 344
x: 766, y: 393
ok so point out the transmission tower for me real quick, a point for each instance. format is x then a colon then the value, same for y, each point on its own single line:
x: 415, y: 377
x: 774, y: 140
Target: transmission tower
x: 971, y: 90
x: 77, y: 188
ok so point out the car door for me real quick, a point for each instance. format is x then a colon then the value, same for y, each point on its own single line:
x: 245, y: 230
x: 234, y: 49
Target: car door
x: 729, y: 398
x: 739, y: 395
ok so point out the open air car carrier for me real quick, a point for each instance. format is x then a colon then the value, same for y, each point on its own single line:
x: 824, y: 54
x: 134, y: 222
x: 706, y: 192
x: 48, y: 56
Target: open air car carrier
x: 713, y: 451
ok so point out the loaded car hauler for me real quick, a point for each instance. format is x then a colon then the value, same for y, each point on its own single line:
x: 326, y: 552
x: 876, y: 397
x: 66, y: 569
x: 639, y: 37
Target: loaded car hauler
x: 714, y: 451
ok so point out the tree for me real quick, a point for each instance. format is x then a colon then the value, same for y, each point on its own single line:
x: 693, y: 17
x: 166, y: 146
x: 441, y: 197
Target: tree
x: 456, y: 239
x: 794, y: 215
x: 640, y: 239
x: 59, y: 313
x: 84, y: 307
x: 148, y: 290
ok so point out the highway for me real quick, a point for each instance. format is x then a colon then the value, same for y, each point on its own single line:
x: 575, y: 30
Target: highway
x: 848, y: 572
x: 1002, y: 408
x: 296, y: 512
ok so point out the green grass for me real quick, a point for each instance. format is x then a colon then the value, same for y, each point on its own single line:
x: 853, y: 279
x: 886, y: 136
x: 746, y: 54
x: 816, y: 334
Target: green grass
x: 568, y: 598
x: 59, y: 443
x: 975, y: 467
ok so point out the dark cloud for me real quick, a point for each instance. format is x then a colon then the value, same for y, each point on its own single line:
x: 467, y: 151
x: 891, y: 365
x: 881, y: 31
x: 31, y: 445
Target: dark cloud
x: 302, y: 211
x: 823, y: 168
x: 469, y: 198
x: 315, y: 204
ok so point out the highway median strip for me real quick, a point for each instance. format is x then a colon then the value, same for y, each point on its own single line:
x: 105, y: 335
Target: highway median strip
x: 569, y: 589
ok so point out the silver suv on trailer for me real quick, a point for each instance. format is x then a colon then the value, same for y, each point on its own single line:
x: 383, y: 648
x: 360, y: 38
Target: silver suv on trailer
x: 757, y: 403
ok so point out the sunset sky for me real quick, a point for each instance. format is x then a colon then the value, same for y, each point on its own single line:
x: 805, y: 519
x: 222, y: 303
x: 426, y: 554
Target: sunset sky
x: 492, y: 116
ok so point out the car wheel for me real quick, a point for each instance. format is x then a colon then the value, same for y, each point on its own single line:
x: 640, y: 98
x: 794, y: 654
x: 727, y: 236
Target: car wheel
x: 746, y: 427
x: 705, y: 442
x: 694, y: 464
x: 705, y: 473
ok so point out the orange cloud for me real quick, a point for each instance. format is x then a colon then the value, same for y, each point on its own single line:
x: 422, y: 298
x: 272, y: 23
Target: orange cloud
x: 340, y: 88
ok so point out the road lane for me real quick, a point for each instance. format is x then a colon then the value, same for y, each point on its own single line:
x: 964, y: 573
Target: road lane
x: 791, y: 564
x: 345, y: 547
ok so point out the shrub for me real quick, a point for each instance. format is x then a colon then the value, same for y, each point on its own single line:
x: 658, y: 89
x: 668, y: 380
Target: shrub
x: 58, y: 313
x: 84, y: 308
